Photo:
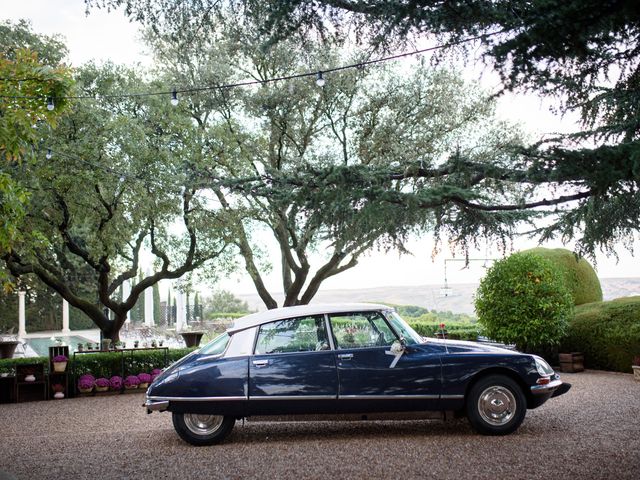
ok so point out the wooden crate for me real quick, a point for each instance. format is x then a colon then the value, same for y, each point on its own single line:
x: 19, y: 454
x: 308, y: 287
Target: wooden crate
x: 571, y: 362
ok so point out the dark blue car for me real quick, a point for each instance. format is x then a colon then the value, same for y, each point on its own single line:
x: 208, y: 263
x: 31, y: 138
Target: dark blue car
x: 351, y: 361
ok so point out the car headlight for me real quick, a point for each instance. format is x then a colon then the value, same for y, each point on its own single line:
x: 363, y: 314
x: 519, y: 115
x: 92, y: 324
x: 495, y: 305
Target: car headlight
x: 544, y: 369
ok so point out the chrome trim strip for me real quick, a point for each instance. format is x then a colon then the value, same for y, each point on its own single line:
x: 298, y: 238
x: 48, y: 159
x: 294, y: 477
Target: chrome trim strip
x: 156, y: 406
x: 195, y: 399
x: 390, y: 397
x: 293, y: 397
x: 451, y: 397
x: 542, y: 389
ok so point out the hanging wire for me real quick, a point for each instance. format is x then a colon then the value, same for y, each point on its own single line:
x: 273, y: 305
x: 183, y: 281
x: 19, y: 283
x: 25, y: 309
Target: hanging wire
x: 175, y: 91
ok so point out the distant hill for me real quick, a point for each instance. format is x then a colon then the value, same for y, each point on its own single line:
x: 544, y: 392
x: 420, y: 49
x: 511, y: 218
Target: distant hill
x: 428, y: 296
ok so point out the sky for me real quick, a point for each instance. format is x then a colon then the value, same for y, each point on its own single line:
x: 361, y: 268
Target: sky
x: 104, y: 36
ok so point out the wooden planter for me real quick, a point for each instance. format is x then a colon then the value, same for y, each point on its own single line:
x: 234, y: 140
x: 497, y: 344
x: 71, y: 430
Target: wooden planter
x: 636, y: 372
x: 571, y: 362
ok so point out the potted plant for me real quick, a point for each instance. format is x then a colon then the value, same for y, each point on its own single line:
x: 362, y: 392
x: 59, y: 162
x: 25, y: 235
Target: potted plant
x: 635, y: 364
x: 29, y: 374
x: 160, y: 342
x: 8, y: 343
x: 80, y: 347
x: 153, y: 343
x: 102, y: 384
x: 131, y: 382
x: 136, y: 343
x: 60, y: 363
x: 145, y: 380
x: 115, y: 383
x: 155, y: 372
x: 89, y: 346
x: 58, y: 390
x: 86, y: 383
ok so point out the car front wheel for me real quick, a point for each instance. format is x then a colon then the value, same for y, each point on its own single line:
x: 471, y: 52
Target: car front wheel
x: 496, y: 405
x: 201, y: 429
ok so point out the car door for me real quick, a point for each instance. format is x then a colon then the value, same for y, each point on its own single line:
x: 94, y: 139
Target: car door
x: 293, y: 369
x: 375, y: 373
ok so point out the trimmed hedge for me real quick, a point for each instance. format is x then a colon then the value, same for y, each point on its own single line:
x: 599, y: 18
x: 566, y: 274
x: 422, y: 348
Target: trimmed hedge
x: 578, y: 274
x: 523, y: 300
x: 106, y: 364
x: 608, y: 333
x: 455, y: 331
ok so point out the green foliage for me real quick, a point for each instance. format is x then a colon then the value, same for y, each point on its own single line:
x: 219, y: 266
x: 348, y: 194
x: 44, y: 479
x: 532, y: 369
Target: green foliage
x: 221, y: 303
x: 578, y: 274
x: 8, y: 365
x: 107, y: 364
x: 157, y: 316
x: 523, y: 300
x: 608, y: 333
x: 455, y: 330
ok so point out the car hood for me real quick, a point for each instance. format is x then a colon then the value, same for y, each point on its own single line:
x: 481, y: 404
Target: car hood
x: 461, y: 346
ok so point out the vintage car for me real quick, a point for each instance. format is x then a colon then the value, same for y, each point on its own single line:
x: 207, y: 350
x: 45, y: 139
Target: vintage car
x: 345, y: 361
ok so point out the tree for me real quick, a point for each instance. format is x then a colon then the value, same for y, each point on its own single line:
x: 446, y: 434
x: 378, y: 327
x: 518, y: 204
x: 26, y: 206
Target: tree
x: 157, y: 315
x: 223, y: 301
x: 30, y: 73
x: 115, y: 184
x: 584, y: 52
x: 314, y: 167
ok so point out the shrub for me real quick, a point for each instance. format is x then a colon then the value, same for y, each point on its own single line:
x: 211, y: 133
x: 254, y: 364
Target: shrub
x: 455, y: 330
x: 523, y: 300
x: 8, y: 365
x: 144, y: 378
x: 578, y: 274
x: 608, y: 333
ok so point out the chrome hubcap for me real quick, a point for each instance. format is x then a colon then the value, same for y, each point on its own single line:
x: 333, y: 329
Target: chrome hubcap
x: 202, y: 424
x: 497, y: 405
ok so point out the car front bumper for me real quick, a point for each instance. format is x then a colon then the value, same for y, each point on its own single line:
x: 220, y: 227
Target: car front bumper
x: 155, y: 405
x: 541, y: 393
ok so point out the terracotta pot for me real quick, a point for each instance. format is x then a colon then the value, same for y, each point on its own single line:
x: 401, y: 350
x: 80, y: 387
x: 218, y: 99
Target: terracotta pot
x: 7, y: 348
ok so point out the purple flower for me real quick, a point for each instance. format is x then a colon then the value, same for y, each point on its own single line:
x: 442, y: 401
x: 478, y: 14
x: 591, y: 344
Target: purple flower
x: 60, y: 358
x: 156, y: 371
x: 115, y: 382
x: 131, y: 381
x: 88, y: 377
x: 102, y: 382
x: 144, y: 377
x: 85, y: 383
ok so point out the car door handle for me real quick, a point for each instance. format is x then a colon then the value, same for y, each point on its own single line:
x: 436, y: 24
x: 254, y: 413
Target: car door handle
x: 261, y: 363
x: 345, y: 356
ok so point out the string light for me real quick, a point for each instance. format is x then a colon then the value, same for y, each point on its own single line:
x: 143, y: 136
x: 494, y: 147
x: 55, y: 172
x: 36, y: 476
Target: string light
x: 319, y: 76
x: 174, y: 97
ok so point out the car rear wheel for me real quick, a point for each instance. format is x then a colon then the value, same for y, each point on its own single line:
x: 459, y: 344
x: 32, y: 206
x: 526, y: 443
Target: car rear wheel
x: 496, y: 405
x: 201, y: 429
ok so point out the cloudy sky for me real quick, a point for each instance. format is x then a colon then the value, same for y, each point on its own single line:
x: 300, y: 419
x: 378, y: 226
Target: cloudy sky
x: 105, y: 36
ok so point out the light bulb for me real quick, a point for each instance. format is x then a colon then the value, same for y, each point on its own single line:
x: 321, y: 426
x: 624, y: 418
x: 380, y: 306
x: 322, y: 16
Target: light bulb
x: 320, y: 80
x: 50, y: 105
x: 49, y: 154
x: 174, y: 97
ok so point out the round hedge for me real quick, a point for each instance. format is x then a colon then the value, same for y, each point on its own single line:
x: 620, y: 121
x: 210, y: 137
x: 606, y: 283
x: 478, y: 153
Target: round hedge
x: 579, y: 276
x: 607, y: 333
x: 523, y: 300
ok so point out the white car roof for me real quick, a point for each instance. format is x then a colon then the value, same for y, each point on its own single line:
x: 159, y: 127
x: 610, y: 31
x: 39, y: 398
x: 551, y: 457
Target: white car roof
x: 267, y: 316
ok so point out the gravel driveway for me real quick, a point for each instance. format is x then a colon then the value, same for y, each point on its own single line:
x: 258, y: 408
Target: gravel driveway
x: 591, y: 432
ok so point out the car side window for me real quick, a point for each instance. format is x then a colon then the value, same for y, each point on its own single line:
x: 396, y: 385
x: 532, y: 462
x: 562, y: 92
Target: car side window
x: 304, y: 334
x: 361, y: 330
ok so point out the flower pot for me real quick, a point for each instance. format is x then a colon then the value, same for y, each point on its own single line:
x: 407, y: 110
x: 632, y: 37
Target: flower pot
x: 58, y: 395
x: 636, y: 372
x: 571, y: 362
x: 30, y: 378
x: 192, y: 339
x: 143, y: 385
x: 85, y: 390
x: 101, y: 389
x: 59, y: 367
x: 130, y: 387
x: 7, y: 348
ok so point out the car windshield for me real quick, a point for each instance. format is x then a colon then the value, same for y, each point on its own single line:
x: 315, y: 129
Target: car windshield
x: 400, y: 326
x: 215, y: 346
